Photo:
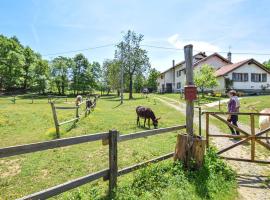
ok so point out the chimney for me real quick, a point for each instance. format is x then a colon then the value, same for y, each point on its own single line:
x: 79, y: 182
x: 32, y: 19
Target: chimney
x: 173, y: 63
x: 229, y: 56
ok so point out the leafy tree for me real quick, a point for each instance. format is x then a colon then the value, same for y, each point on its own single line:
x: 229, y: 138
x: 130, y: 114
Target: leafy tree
x: 267, y: 64
x: 132, y: 56
x: 59, y: 70
x: 41, y: 76
x: 152, y: 79
x: 28, y: 66
x: 11, y: 62
x: 96, y: 72
x: 139, y: 82
x: 205, y: 78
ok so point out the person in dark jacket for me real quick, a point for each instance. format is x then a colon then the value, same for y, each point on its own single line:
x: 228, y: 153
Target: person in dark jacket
x: 233, y: 106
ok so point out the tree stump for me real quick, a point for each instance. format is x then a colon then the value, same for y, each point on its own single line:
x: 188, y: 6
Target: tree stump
x: 190, y: 150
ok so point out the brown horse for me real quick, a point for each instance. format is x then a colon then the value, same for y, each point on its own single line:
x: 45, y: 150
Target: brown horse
x: 146, y: 113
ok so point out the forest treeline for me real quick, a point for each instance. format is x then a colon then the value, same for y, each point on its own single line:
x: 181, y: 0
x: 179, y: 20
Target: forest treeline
x: 22, y: 69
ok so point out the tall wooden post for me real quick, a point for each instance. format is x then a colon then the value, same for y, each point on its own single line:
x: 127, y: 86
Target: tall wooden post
x: 55, y: 120
x: 113, y: 167
x: 190, y: 147
x: 189, y: 81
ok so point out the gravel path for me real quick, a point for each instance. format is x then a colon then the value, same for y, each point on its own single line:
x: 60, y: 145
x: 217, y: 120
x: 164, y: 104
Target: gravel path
x: 252, y: 184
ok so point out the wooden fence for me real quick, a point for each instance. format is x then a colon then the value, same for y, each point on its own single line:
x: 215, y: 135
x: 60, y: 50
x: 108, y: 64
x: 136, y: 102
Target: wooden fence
x: 53, y: 98
x: 245, y: 137
x: 112, y: 138
x: 86, y: 111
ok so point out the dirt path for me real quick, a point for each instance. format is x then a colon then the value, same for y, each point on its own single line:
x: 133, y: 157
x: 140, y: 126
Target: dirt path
x: 251, y: 177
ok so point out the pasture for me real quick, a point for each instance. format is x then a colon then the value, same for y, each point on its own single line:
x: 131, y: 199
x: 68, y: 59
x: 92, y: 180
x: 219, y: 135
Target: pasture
x: 25, y: 122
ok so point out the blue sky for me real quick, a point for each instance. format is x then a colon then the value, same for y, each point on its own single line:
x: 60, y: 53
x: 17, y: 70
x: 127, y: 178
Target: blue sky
x: 52, y: 26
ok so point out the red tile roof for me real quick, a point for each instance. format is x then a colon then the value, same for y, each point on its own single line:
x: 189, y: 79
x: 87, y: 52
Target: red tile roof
x: 228, y: 68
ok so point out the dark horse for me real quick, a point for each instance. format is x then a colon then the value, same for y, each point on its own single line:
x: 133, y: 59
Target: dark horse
x: 146, y: 113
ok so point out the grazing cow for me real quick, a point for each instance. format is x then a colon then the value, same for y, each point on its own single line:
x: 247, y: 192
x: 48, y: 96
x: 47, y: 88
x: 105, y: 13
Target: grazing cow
x: 264, y: 121
x: 79, y: 100
x: 146, y: 113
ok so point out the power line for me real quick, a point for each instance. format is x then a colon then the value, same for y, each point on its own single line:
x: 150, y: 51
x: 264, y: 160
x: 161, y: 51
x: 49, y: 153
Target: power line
x: 79, y: 50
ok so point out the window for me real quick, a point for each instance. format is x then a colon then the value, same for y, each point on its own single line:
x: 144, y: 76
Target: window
x: 178, y: 73
x: 258, y: 77
x: 178, y: 85
x: 264, y: 77
x: 161, y: 76
x: 240, y: 77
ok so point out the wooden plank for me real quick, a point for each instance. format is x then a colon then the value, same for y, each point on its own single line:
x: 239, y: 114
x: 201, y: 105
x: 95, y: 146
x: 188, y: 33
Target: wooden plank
x: 236, y: 113
x: 56, y: 123
x: 227, y: 136
x: 41, y: 146
x: 53, y: 191
x: 246, y: 160
x: 207, y: 130
x: 149, y: 133
x: 263, y: 132
x: 65, y: 122
x: 113, y: 167
x: 65, y: 108
x: 267, y: 146
x: 233, y: 145
x: 143, y: 164
x: 229, y: 124
x: 252, y: 129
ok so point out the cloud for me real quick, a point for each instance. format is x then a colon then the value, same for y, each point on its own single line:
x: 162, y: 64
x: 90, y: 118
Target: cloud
x: 177, y: 42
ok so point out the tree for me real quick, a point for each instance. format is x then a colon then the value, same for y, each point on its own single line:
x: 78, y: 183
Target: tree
x: 41, y: 76
x: 59, y: 70
x: 152, y: 79
x: 28, y: 67
x: 139, y: 82
x: 133, y: 58
x: 205, y: 78
x: 267, y: 64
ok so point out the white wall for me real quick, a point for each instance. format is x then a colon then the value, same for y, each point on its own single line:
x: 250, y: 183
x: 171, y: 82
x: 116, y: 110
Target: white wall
x: 214, y: 61
x: 252, y: 68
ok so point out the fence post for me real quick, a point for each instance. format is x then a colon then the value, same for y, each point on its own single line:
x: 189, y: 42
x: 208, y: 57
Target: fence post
x: 77, y: 113
x: 32, y: 99
x: 207, y: 129
x: 55, y: 120
x: 14, y: 99
x: 113, y: 167
x: 252, y: 126
x: 200, y: 121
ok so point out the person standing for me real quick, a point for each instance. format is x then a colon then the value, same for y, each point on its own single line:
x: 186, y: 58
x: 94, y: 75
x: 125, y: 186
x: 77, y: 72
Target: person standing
x: 233, y: 107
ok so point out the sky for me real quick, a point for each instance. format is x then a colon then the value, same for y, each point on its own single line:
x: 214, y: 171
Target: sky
x: 53, y: 27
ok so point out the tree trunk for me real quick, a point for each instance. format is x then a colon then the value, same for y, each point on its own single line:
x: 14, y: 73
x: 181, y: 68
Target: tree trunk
x: 118, y: 93
x: 130, y: 87
x: 190, y: 150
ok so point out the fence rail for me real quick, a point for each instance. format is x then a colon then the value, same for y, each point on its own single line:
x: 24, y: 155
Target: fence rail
x: 253, y: 137
x: 110, y: 174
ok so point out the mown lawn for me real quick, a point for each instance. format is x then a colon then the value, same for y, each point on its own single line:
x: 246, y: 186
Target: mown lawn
x: 24, y: 122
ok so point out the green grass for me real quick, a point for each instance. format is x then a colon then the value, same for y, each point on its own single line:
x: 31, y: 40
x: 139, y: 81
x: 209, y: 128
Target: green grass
x: 24, y: 122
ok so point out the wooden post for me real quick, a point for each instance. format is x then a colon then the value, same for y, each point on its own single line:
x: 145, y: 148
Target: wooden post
x: 252, y: 126
x: 113, y: 167
x: 189, y: 81
x: 200, y: 121
x: 77, y: 112
x: 32, y: 99
x: 189, y: 147
x: 14, y: 99
x: 207, y: 129
x: 56, y: 123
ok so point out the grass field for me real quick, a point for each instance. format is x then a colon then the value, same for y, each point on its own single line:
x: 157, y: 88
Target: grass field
x: 24, y: 122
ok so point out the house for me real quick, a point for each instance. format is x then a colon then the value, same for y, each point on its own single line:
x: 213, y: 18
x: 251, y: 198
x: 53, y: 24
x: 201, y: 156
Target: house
x: 247, y: 76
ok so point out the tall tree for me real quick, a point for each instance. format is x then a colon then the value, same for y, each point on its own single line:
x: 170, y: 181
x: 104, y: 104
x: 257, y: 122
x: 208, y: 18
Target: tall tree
x: 205, y: 78
x: 28, y: 66
x: 152, y: 79
x: 59, y: 70
x: 132, y: 56
x: 41, y: 76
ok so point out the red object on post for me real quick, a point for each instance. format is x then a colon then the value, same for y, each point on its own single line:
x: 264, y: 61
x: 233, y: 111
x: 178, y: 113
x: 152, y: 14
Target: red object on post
x: 190, y: 92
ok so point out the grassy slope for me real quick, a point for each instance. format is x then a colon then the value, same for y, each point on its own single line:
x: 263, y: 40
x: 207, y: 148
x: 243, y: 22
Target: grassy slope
x: 22, y: 175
